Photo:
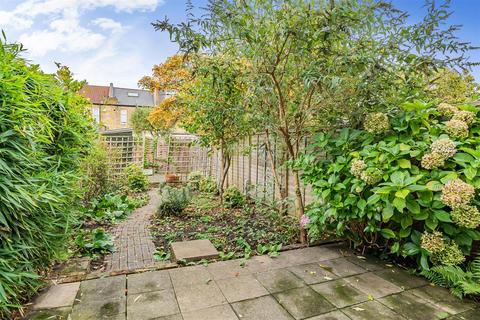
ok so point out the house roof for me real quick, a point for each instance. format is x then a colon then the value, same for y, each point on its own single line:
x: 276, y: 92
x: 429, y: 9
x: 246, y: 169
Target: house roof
x: 96, y: 94
x: 133, y: 97
x: 118, y: 96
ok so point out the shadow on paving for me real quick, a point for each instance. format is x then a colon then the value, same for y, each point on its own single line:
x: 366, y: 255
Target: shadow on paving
x: 316, y: 283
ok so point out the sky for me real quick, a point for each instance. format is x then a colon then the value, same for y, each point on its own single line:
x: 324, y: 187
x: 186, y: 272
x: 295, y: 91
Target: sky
x: 105, y: 41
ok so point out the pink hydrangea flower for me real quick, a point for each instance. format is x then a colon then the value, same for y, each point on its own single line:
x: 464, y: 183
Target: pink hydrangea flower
x: 304, y: 220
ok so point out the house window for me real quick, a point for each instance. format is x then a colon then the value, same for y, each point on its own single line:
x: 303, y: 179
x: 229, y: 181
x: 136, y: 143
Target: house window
x: 132, y: 94
x: 123, y: 116
x: 96, y: 114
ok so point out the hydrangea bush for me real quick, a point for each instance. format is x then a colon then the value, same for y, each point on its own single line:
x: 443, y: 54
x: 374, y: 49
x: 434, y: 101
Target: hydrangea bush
x: 404, y: 185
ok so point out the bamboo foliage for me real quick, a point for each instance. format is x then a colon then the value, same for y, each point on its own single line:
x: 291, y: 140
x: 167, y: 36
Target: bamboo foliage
x: 44, y: 133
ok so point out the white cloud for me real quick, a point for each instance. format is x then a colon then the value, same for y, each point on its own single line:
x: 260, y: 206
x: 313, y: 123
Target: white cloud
x: 8, y: 19
x: 65, y: 31
x: 40, y: 43
x: 108, y: 24
x: 95, y: 50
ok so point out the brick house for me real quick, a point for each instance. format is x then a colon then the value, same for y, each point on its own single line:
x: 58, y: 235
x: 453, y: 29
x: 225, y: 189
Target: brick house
x: 113, y: 107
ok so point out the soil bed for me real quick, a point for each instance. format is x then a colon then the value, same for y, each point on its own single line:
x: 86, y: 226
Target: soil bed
x: 234, y: 232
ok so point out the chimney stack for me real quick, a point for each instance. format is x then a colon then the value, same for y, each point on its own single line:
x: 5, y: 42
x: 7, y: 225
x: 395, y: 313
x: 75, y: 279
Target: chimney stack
x: 110, y: 90
x: 156, y: 97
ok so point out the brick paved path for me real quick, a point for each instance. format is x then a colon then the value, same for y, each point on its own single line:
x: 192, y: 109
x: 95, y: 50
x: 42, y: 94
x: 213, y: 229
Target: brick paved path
x: 134, y: 247
x: 317, y: 283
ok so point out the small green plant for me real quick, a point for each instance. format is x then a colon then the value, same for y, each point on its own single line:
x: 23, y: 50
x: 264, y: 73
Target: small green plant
x: 136, y: 179
x: 461, y: 282
x: 271, y: 249
x: 110, y: 207
x: 95, y: 242
x: 161, y: 255
x: 208, y: 185
x: 227, y: 256
x: 194, y: 179
x: 233, y: 198
x: 174, y: 201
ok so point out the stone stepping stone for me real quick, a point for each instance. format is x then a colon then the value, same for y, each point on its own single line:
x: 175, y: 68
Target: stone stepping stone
x: 193, y: 250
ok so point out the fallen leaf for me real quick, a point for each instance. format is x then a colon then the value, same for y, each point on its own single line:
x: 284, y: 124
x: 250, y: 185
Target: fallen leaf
x: 370, y: 297
x: 325, y: 267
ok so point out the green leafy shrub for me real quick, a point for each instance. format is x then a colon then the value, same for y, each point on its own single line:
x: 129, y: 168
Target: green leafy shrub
x: 95, y: 168
x: 208, y: 185
x: 110, y: 207
x: 94, y: 242
x: 194, y: 179
x: 174, y: 201
x: 45, y: 130
x: 233, y: 198
x: 136, y: 179
x: 409, y: 191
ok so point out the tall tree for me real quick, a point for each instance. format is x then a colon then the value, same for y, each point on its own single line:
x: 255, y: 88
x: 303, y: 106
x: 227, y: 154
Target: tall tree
x: 325, y: 64
x: 215, y: 108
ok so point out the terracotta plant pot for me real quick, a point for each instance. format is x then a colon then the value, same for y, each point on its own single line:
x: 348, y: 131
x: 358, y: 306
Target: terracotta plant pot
x: 171, y: 178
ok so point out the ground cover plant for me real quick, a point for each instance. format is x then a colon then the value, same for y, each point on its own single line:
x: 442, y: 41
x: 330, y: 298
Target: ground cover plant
x: 236, y: 231
x: 403, y: 186
x: 45, y: 131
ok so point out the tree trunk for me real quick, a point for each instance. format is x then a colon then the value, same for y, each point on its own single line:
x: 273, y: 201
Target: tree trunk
x: 225, y: 166
x: 280, y: 191
x: 299, y: 205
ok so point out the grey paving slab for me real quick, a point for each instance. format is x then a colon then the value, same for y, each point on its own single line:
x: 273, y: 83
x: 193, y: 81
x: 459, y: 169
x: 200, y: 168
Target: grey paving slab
x: 401, y: 278
x: 223, y: 312
x: 313, y: 273
x: 172, y: 317
x: 151, y: 305
x: 62, y: 295
x: 279, y: 280
x: 228, y: 269
x: 303, y: 302
x: 241, y: 288
x: 189, y: 276
x: 260, y: 264
x: 193, y: 250
x: 301, y: 285
x: 342, y: 267
x: 53, y: 314
x: 75, y: 267
x: 442, y: 299
x: 305, y: 256
x: 367, y: 262
x: 103, y: 288
x: 340, y: 293
x: 467, y: 315
x: 372, y: 284
x: 413, y: 308
x: 199, y: 296
x: 371, y: 310
x: 334, y: 315
x: 326, y: 252
x: 262, y: 308
x: 107, y: 308
x: 148, y: 281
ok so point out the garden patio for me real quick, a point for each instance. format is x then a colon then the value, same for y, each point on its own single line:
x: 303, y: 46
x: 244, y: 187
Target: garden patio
x: 317, y: 283
x: 307, y: 160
